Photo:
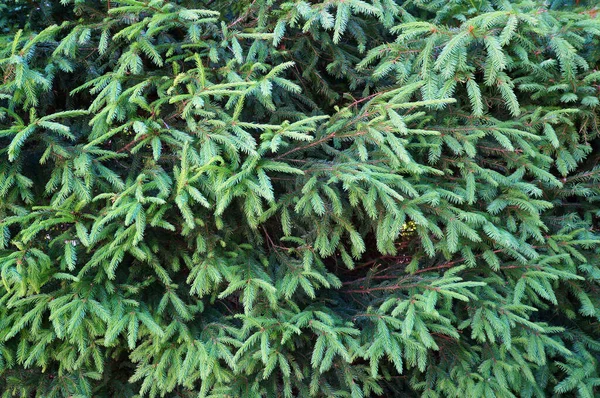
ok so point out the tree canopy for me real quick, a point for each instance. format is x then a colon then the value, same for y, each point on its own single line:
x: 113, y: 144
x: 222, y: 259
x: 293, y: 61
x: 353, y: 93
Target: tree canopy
x: 292, y: 198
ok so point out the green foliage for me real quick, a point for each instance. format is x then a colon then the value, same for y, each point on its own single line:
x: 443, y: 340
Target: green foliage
x: 299, y: 199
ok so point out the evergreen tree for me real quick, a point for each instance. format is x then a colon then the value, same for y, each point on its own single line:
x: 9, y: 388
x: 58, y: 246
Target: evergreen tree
x: 346, y: 198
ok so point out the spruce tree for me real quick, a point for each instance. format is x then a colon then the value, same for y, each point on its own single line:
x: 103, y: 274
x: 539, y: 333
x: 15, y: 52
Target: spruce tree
x: 341, y: 198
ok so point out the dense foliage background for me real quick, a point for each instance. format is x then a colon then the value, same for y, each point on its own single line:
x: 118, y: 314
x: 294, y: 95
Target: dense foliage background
x: 266, y: 198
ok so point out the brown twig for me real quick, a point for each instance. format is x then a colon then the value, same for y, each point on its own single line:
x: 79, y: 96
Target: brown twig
x: 132, y: 143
